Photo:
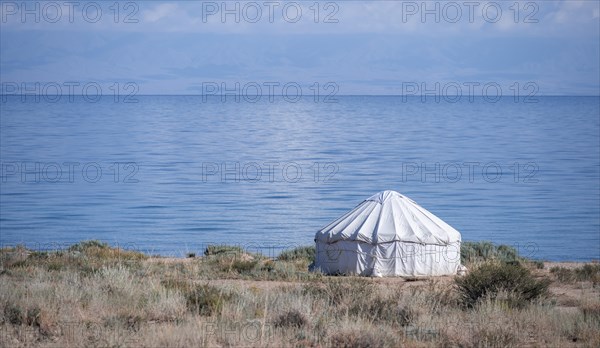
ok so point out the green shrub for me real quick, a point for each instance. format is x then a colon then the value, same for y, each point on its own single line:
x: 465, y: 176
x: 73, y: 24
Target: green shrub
x: 507, y: 253
x: 101, y: 251
x: 300, y: 253
x: 87, y: 244
x: 494, y: 278
x: 470, y: 251
x: 538, y: 264
x: 223, y: 249
x: 483, y: 251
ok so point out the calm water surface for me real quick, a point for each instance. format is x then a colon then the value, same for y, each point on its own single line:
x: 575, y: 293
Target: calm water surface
x: 178, y: 173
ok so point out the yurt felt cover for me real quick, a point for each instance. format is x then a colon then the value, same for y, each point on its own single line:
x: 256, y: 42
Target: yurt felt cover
x: 388, y: 234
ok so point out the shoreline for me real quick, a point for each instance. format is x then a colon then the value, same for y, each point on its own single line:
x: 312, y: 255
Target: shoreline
x: 62, y: 247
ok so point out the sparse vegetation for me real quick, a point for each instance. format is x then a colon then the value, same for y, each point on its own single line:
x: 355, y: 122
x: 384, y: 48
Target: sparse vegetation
x: 13, y: 314
x: 92, y: 294
x: 291, y: 318
x: 362, y: 339
x: 206, y: 299
x: 88, y: 245
x: 510, y: 282
x: 562, y: 274
x: 591, y: 310
x: 223, y: 249
x: 304, y: 253
x: 473, y: 252
x: 588, y: 272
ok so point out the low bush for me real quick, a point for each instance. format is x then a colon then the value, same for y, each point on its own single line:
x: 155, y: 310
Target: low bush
x: 223, y: 249
x: 482, y: 251
x: 51, y: 260
x: 241, y: 266
x: 588, y: 272
x: 300, y: 253
x: 13, y: 314
x: 203, y: 299
x: 34, y: 316
x: 280, y: 270
x: 14, y: 257
x: 538, y: 264
x: 206, y: 299
x: 562, y: 274
x: 494, y: 278
x: 292, y: 318
x: 88, y: 244
x: 102, y: 251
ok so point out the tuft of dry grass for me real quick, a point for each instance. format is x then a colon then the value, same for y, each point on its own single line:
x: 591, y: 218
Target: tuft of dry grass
x: 291, y: 318
x: 358, y: 338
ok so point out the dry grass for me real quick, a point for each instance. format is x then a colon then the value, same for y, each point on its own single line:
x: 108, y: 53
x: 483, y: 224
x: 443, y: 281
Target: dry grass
x: 94, y: 295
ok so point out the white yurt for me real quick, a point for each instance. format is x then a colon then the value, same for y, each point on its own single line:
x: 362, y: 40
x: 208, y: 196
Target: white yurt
x: 388, y: 234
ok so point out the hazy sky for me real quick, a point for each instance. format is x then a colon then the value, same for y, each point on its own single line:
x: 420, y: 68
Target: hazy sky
x: 364, y: 47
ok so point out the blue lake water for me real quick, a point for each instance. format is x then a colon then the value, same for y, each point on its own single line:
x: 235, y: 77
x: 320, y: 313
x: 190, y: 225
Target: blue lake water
x: 178, y: 173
